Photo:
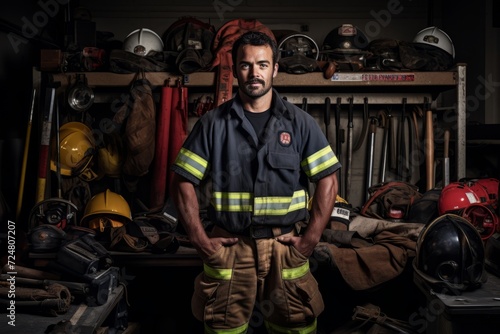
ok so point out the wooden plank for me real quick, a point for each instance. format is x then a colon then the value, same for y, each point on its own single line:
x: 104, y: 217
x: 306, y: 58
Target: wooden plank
x: 93, y: 317
x: 314, y: 79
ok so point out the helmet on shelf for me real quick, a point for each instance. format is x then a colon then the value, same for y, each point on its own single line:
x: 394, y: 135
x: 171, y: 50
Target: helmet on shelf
x: 76, y: 148
x: 106, y: 207
x: 142, y: 41
x: 298, y: 53
x: 298, y: 44
x: 435, y: 37
x: 450, y: 254
x: 345, y: 39
x: 456, y: 196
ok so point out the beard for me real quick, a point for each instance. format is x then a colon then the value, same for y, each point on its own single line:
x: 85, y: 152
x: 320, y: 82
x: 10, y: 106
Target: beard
x: 252, y: 92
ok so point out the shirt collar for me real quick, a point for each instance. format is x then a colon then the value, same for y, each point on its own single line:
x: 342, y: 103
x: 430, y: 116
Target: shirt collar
x: 278, y: 106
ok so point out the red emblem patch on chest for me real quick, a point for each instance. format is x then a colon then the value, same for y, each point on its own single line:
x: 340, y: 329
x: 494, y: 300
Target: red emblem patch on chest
x: 285, y: 138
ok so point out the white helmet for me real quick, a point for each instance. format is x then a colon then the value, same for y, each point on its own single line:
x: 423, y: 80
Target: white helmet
x: 435, y: 37
x: 142, y: 41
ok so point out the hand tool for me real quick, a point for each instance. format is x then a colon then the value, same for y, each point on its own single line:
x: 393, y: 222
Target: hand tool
x: 338, y: 143
x: 366, y: 115
x: 446, y: 158
x: 370, y: 155
x: 402, y: 146
x: 25, y: 157
x: 304, y: 104
x: 385, y: 121
x: 429, y: 147
x: 349, y: 149
x: 327, y: 116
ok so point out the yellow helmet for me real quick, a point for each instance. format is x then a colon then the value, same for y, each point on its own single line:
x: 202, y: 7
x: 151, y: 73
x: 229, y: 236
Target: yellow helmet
x: 108, y: 205
x: 110, y: 158
x: 77, y: 149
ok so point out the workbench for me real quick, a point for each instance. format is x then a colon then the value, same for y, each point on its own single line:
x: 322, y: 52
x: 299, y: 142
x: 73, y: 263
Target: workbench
x: 183, y: 257
x: 474, y: 311
x: 84, y: 319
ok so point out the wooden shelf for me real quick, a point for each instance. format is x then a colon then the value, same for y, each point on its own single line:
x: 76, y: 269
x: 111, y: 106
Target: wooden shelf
x: 314, y: 79
x: 379, y: 87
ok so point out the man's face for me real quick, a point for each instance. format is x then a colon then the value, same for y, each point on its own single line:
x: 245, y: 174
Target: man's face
x: 254, y: 70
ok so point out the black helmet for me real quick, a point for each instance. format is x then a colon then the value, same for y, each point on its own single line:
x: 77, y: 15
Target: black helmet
x: 345, y: 39
x: 298, y: 53
x: 46, y: 238
x: 450, y: 254
x: 53, y: 211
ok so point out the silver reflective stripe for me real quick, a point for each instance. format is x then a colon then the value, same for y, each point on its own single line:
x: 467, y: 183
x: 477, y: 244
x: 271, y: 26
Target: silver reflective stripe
x: 280, y: 205
x: 319, y: 161
x: 192, y: 163
x: 232, y: 202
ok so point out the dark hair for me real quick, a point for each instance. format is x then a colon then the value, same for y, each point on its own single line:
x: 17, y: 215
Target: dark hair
x: 255, y: 38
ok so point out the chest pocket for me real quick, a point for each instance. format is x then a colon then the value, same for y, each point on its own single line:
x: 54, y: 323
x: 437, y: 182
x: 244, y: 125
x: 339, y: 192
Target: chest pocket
x: 284, y: 171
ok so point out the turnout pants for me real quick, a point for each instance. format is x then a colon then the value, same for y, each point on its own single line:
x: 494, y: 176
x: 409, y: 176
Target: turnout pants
x: 261, y: 274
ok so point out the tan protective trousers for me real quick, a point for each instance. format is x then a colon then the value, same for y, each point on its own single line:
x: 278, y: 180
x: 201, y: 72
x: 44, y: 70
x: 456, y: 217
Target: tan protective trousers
x: 263, y: 274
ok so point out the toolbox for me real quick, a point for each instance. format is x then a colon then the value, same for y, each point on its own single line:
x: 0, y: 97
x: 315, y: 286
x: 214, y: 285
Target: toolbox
x: 476, y: 311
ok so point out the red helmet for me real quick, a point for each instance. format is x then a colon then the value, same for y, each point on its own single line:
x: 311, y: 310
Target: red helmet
x: 492, y: 187
x: 480, y: 190
x: 483, y: 218
x: 456, y: 196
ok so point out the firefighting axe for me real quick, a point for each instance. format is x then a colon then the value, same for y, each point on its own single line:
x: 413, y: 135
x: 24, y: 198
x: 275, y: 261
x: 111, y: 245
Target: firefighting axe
x: 25, y: 156
x: 43, y: 158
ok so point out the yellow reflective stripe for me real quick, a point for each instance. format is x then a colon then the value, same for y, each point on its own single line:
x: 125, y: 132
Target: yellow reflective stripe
x: 293, y: 273
x: 224, y: 274
x: 244, y: 202
x: 232, y: 202
x: 237, y: 330
x: 275, y: 329
x: 319, y: 161
x: 280, y: 205
x: 192, y: 163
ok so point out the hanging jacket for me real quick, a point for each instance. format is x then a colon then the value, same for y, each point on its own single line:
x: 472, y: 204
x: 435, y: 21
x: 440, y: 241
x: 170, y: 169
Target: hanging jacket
x: 138, y: 116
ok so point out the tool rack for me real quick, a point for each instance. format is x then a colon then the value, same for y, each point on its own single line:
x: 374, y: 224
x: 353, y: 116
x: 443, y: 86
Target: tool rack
x: 384, y: 88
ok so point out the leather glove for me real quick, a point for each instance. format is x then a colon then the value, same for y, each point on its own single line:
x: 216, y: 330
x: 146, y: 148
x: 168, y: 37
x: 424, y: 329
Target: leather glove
x: 341, y: 211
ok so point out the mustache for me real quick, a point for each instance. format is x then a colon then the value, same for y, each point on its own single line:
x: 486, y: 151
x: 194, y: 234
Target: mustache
x: 253, y: 81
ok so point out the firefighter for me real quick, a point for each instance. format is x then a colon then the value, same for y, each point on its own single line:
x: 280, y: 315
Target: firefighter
x: 260, y: 152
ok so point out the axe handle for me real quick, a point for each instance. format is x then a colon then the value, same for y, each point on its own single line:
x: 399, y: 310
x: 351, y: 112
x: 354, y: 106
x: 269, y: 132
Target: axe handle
x: 429, y: 150
x: 327, y: 115
x: 348, y: 165
x: 74, y: 287
x: 31, y: 273
x: 446, y: 156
